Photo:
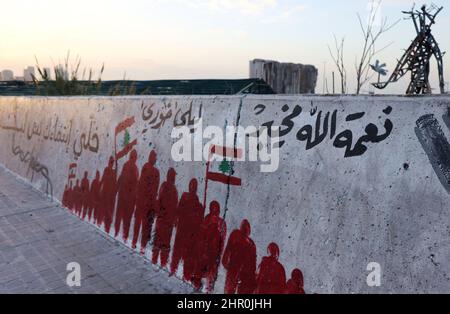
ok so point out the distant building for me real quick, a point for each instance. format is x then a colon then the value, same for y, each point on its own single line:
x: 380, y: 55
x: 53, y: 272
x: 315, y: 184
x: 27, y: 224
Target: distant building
x: 7, y: 75
x: 19, y: 78
x: 285, y: 78
x: 28, y: 74
x: 1, y: 77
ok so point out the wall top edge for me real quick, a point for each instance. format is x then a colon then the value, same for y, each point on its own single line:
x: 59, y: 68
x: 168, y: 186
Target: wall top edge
x: 265, y: 97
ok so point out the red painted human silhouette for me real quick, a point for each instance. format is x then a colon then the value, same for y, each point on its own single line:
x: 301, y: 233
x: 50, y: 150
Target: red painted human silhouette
x: 84, y: 195
x: 214, y: 231
x: 65, y: 197
x: 77, y: 201
x: 239, y: 259
x: 146, y: 202
x: 165, y: 218
x: 126, y: 199
x: 295, y: 284
x: 69, y: 198
x: 108, y: 196
x: 271, y: 278
x: 94, y: 196
x: 189, y: 218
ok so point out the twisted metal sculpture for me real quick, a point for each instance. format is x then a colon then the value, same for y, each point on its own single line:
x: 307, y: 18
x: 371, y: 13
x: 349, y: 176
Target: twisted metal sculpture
x: 417, y: 58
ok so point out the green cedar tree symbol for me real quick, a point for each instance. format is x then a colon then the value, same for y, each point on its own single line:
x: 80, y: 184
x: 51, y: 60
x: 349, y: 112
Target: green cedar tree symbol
x: 126, y: 138
x: 225, y: 167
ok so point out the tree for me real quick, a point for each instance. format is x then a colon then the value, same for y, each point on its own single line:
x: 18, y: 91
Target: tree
x: 371, y: 34
x: 338, y: 59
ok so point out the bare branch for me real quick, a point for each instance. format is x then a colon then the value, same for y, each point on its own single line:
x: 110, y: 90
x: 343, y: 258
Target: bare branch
x: 371, y: 36
x: 338, y: 59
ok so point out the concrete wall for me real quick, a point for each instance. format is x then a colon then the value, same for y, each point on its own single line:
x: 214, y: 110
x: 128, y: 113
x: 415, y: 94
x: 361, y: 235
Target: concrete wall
x: 285, y: 78
x: 360, y: 180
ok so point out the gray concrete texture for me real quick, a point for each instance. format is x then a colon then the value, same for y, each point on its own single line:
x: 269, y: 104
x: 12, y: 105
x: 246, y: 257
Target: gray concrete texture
x: 361, y: 179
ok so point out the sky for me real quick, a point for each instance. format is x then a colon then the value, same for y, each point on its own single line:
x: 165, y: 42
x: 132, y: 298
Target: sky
x: 200, y: 39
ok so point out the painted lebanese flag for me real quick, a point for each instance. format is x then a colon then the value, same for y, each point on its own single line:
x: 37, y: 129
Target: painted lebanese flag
x: 127, y: 145
x: 226, y: 174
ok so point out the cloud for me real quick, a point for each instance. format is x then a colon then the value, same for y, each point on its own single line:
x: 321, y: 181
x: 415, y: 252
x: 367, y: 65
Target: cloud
x: 264, y: 11
x: 397, y: 1
x: 243, y: 6
x: 247, y: 7
x: 286, y: 15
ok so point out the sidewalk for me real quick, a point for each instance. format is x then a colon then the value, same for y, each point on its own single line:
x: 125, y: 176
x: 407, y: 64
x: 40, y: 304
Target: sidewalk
x: 38, y: 239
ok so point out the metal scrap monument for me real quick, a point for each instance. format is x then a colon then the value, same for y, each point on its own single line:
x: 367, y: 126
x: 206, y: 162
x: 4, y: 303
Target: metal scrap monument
x: 416, y: 58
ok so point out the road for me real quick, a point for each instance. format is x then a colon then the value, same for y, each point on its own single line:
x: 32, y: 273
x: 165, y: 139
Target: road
x: 38, y: 239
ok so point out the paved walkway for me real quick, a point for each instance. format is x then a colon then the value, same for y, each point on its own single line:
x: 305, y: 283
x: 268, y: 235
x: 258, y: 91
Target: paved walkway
x: 38, y: 239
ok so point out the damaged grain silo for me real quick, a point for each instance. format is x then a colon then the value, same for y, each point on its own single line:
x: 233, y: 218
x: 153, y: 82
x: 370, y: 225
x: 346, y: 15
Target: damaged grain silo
x: 285, y: 78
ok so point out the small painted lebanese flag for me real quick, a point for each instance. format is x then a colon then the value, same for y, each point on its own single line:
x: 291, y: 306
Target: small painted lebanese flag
x: 72, y: 172
x: 122, y: 133
x: 225, y: 175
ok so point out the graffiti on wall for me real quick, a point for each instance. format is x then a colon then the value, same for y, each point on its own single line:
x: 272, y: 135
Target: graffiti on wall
x: 33, y: 165
x: 156, y: 116
x: 36, y: 131
x: 436, y: 146
x: 55, y: 130
x: 175, y: 223
x: 181, y: 230
x: 325, y: 126
x: 86, y: 141
x: 48, y: 130
x: 51, y: 131
x: 122, y: 131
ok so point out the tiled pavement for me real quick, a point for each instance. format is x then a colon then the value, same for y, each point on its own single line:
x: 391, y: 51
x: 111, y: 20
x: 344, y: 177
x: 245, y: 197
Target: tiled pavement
x: 38, y: 239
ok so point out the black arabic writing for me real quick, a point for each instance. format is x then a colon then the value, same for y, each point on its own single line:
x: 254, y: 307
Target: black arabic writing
x: 326, y: 124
